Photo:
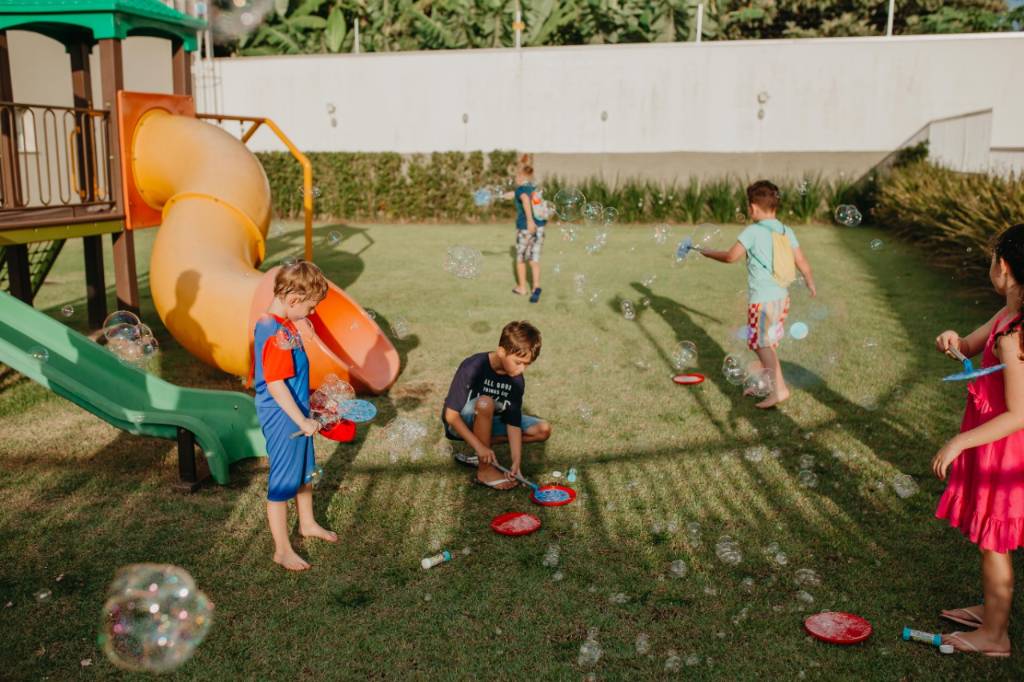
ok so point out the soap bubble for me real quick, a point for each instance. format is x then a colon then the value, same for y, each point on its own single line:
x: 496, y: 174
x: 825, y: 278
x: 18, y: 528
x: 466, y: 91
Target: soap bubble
x: 684, y: 355
x: 154, y: 618
x: 286, y: 339
x: 759, y: 384
x: 288, y: 261
x: 661, y: 234
x: 568, y: 231
x: 707, y: 236
x: 590, y: 650
x: 463, y: 261
x: 483, y: 197
x: 402, y: 437
x: 67, y: 311
x: 817, y: 334
x: 904, y: 485
x: 876, y: 244
x: 579, y: 281
x: 673, y: 663
x: 846, y: 214
x: 733, y: 370
x: 807, y: 478
x: 642, y: 644
x: 678, y: 568
x: 807, y: 577
x: 336, y: 389
x: 400, y: 327
x: 569, y: 202
x: 728, y: 551
x: 648, y: 279
x: 39, y: 353
x: 42, y: 596
x: 798, y: 331
x: 119, y: 319
x: 593, y: 211
x: 314, y: 192
x: 231, y: 20
x: 618, y: 598
x: 805, y: 597
x: 333, y: 238
x: 551, y: 556
x: 610, y: 215
x: 628, y: 309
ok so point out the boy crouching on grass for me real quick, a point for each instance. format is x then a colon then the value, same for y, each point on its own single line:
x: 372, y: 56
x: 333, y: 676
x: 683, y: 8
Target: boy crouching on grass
x: 485, y: 402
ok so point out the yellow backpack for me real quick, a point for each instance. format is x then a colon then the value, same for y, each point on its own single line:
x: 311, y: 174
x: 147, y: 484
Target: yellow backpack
x: 783, y: 260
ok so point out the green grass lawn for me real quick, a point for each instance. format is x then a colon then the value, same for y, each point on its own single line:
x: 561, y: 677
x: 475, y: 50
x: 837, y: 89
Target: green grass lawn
x: 665, y: 471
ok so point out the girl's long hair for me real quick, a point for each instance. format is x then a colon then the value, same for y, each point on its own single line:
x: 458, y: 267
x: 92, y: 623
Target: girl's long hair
x: 1009, y: 247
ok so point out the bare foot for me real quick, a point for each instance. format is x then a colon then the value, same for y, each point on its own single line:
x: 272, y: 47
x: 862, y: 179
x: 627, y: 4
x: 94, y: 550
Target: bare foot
x: 971, y: 616
x: 747, y: 392
x: 318, y: 531
x: 291, y: 561
x: 772, y: 400
x: 980, y: 640
x: 519, y: 292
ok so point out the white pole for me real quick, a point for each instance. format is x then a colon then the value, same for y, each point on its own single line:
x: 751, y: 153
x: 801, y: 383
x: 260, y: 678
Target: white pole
x: 355, y: 27
x: 518, y: 24
x: 888, y: 23
x: 700, y: 20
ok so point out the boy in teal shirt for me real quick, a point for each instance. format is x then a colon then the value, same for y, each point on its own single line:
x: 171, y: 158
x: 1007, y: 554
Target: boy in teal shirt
x: 768, y: 297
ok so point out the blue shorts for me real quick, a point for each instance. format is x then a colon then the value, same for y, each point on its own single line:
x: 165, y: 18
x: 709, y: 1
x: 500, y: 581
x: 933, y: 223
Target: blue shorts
x: 292, y: 460
x: 498, y: 427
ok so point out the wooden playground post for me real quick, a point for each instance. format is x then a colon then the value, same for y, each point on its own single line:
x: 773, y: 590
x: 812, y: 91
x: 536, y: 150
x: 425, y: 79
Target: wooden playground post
x: 85, y: 146
x: 181, y: 68
x: 125, y: 272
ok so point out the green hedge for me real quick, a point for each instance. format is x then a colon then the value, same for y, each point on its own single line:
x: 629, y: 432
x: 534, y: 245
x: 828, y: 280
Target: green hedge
x: 952, y: 215
x: 439, y: 187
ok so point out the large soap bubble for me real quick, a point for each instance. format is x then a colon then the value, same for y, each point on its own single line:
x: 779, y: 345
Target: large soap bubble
x: 235, y: 19
x: 569, y: 203
x: 817, y: 333
x: 154, y: 618
x: 463, y: 261
x: 733, y: 370
x: 684, y: 355
x: 759, y: 383
x: 847, y: 214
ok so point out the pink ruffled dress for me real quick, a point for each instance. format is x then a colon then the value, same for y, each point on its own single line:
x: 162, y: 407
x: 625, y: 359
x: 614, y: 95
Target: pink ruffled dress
x: 984, y: 495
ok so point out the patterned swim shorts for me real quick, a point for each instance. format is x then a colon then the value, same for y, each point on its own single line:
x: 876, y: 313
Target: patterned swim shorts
x: 766, y: 323
x: 528, y: 245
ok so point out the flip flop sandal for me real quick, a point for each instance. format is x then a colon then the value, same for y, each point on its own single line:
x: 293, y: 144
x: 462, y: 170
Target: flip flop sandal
x: 493, y: 485
x: 467, y: 459
x: 968, y: 618
x: 971, y: 649
x: 535, y: 296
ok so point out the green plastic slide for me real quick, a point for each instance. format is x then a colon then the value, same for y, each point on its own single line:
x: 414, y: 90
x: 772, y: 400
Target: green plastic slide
x: 224, y: 422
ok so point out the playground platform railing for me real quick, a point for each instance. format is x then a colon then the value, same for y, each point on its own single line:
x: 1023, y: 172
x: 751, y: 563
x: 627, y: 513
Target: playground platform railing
x: 54, y: 165
x: 307, y: 168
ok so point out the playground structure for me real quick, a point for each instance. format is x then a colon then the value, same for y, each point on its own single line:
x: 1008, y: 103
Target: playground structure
x: 144, y: 160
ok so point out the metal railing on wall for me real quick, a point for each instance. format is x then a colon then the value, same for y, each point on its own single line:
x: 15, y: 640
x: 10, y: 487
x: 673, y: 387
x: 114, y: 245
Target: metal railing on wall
x: 53, y: 156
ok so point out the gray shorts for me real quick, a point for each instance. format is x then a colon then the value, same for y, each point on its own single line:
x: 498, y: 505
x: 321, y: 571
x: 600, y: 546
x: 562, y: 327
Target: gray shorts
x: 528, y: 245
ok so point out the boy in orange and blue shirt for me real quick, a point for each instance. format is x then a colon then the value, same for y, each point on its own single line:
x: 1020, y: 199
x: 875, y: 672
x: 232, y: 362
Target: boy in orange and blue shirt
x: 281, y: 373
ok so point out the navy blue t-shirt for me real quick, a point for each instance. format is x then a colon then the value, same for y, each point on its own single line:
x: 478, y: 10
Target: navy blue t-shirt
x: 475, y: 377
x: 521, y: 223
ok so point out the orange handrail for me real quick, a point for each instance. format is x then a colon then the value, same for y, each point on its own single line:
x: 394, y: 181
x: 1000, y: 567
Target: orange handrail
x: 307, y: 167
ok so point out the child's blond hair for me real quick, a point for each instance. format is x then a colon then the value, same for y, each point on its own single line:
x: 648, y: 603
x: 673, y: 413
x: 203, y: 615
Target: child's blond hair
x: 301, y: 278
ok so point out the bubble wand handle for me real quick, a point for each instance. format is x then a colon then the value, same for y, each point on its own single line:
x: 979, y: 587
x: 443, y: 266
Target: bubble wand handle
x: 956, y: 354
x: 518, y: 477
x: 319, y: 417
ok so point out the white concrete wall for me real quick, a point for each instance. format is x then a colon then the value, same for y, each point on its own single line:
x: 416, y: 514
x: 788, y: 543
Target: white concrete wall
x: 825, y: 95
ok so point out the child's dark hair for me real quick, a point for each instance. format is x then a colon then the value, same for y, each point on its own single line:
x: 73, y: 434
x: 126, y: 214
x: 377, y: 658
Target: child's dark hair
x: 521, y: 338
x: 764, y: 194
x: 1009, y: 247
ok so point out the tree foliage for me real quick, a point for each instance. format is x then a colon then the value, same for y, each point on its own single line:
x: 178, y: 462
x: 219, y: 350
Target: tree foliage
x: 312, y: 26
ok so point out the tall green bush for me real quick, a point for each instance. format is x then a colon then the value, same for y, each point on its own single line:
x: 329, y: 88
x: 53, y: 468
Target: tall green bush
x: 949, y: 214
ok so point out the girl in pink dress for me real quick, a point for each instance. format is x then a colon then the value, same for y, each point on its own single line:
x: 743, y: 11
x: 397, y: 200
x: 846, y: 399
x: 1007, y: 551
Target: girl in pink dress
x: 984, y: 497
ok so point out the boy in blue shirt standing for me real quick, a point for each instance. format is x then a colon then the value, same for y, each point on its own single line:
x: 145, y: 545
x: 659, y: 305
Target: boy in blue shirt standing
x: 772, y: 251
x: 281, y: 374
x: 529, y: 229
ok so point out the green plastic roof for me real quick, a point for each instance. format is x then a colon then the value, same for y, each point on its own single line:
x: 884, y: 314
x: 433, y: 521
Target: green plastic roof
x: 92, y: 20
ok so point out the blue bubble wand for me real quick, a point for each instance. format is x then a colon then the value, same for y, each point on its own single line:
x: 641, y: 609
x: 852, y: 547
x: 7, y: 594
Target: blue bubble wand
x: 969, y: 373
